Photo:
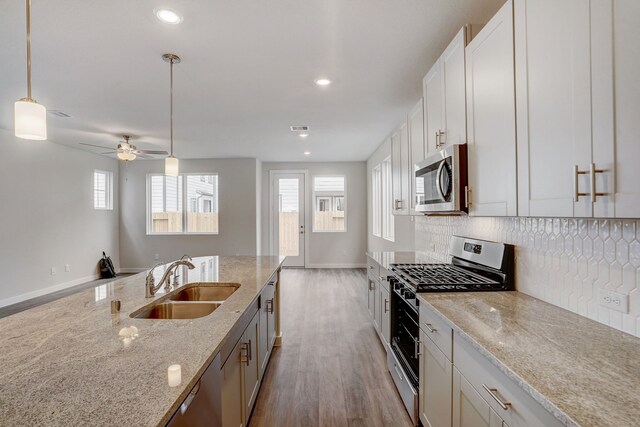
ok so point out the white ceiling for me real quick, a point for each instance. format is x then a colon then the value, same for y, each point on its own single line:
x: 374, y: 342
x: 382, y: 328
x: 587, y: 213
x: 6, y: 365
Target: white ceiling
x: 247, y: 71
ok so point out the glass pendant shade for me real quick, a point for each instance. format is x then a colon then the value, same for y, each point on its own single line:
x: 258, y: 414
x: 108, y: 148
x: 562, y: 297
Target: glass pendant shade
x: 30, y: 120
x: 126, y: 155
x: 171, y: 166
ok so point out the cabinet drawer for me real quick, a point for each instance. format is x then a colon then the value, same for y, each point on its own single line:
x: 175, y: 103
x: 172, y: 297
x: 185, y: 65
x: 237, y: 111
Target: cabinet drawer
x: 373, y: 268
x: 436, y: 329
x: 519, y: 409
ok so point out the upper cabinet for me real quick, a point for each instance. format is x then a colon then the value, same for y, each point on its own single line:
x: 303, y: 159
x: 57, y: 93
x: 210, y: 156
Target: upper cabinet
x: 401, y: 170
x: 417, y: 147
x: 443, y: 90
x: 577, y: 109
x: 491, y: 121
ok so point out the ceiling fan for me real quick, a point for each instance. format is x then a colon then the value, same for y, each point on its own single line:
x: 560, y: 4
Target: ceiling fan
x: 127, y: 151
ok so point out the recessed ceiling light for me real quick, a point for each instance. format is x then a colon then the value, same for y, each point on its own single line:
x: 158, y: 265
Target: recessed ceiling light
x: 323, y: 82
x: 168, y: 16
x: 307, y: 153
x: 304, y: 135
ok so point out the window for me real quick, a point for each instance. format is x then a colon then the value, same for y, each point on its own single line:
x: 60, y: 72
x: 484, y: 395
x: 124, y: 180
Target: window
x: 102, y: 190
x: 376, y: 208
x: 387, y: 202
x: 167, y: 195
x: 329, y: 203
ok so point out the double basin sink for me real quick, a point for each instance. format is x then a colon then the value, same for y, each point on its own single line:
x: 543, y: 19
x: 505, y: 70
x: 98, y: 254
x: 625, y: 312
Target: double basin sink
x: 190, y: 302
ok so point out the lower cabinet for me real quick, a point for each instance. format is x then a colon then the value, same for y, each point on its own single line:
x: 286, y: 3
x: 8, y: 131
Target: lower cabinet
x: 373, y: 300
x: 469, y: 408
x: 267, y: 326
x: 232, y: 389
x: 385, y: 313
x: 435, y: 384
x: 251, y: 365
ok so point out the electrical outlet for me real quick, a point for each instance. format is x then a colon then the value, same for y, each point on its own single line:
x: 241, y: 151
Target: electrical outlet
x: 156, y: 257
x: 53, y: 271
x: 67, y: 268
x: 614, y: 300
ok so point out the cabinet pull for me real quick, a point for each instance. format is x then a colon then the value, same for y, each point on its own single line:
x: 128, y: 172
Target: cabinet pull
x: 439, y: 134
x: 270, y: 306
x: 431, y: 328
x: 187, y: 402
x: 493, y: 393
x: 467, y: 196
x: 576, y: 192
x: 370, y: 285
x: 386, y: 307
x: 592, y: 172
x: 245, y: 357
x: 398, y: 204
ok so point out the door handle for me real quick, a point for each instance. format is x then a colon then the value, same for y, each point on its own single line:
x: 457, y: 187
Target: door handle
x: 187, y: 402
x: 592, y: 175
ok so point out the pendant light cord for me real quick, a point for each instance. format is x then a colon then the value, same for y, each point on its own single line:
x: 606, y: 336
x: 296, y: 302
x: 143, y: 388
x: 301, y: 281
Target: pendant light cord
x: 171, y: 105
x: 29, y: 49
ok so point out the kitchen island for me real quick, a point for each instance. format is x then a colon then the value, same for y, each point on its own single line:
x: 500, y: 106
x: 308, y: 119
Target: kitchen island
x: 73, y: 362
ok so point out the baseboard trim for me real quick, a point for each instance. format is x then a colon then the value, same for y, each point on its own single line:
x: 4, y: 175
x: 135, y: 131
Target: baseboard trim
x: 132, y: 270
x: 48, y: 290
x: 353, y: 265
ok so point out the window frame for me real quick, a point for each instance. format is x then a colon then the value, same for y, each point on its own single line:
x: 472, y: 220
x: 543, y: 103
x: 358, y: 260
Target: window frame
x: 313, y: 201
x: 108, y: 190
x: 185, y: 205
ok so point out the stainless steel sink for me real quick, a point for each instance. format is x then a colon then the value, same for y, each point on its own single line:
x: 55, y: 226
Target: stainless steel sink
x: 178, y: 310
x: 217, y: 292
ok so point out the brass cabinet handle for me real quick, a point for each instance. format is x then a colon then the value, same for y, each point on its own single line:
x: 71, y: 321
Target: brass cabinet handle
x: 576, y: 192
x: 467, y: 196
x: 431, y: 328
x: 493, y: 393
x: 592, y: 172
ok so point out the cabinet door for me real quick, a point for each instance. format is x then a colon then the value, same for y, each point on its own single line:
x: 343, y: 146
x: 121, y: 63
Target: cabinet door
x: 377, y: 312
x: 371, y: 297
x: 232, y: 391
x: 385, y: 318
x: 491, y: 118
x: 251, y: 367
x: 271, y: 316
x: 469, y: 408
x: 436, y: 381
x: 432, y: 94
x: 416, y: 148
x: 552, y: 44
x: 263, y: 338
x: 627, y: 99
x: 454, y: 104
x: 396, y: 172
x: 405, y: 170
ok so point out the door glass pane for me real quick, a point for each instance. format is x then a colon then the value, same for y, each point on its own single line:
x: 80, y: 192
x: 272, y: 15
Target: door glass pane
x: 289, y: 216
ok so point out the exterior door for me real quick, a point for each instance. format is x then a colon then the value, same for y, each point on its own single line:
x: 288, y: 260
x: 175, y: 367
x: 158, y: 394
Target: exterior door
x: 288, y: 217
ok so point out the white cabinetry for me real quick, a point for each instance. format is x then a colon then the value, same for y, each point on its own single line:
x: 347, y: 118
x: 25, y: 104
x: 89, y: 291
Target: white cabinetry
x: 443, y: 90
x: 379, y: 300
x: 435, y: 384
x: 400, y: 170
x: 417, y: 147
x: 491, y: 118
x: 577, y: 156
x: 469, y: 408
x: 385, y: 311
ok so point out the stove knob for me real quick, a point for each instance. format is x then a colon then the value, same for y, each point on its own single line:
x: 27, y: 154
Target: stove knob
x: 409, y: 294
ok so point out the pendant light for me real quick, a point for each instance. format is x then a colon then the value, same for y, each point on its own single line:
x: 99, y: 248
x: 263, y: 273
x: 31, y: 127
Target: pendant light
x: 171, y: 163
x: 30, y: 117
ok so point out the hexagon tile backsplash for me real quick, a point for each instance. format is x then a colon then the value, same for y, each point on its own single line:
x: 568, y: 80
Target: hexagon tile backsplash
x: 561, y: 261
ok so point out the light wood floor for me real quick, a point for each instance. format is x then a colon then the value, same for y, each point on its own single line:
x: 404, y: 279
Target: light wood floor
x: 331, y: 369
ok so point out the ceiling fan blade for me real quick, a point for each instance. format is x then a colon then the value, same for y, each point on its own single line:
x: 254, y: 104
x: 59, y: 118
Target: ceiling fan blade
x: 143, y: 156
x: 160, y: 153
x: 109, y: 152
x: 98, y: 146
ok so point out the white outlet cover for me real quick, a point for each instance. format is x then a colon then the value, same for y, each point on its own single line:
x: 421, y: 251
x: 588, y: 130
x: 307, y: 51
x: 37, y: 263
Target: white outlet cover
x: 53, y: 271
x: 613, y: 300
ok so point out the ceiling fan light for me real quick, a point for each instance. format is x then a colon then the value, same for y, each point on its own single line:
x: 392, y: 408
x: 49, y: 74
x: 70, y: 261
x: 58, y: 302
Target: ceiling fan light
x: 30, y: 120
x: 132, y: 156
x: 171, y: 166
x: 122, y: 155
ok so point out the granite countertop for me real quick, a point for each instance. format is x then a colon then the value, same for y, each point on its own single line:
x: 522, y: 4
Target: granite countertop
x: 385, y: 259
x: 583, y: 372
x: 71, y: 362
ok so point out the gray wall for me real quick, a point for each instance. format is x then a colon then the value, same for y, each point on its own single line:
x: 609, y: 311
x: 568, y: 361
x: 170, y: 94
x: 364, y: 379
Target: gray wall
x: 237, y: 180
x: 328, y: 249
x: 404, y: 225
x: 48, y: 218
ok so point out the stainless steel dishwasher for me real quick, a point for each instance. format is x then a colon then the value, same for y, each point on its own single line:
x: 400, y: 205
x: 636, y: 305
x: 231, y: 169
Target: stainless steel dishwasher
x: 201, y: 408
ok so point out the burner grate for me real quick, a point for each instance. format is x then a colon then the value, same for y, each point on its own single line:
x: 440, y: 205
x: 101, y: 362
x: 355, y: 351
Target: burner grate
x: 443, y: 278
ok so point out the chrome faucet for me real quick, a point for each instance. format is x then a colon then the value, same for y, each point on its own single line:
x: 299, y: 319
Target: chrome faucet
x: 151, y: 288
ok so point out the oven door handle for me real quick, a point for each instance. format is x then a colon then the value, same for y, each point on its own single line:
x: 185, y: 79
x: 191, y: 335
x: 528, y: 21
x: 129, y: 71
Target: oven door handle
x: 438, y: 181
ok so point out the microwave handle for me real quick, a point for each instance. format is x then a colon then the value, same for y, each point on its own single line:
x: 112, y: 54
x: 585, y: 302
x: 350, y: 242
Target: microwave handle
x: 438, y: 186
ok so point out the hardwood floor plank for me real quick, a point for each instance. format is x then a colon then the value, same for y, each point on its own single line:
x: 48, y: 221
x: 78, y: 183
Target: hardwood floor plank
x: 331, y: 369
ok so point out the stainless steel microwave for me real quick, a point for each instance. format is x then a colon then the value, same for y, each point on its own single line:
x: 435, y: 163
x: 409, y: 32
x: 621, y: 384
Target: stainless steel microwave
x: 441, y: 182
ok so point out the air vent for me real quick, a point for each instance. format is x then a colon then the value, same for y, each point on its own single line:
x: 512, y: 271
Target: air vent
x: 299, y: 128
x: 58, y: 113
